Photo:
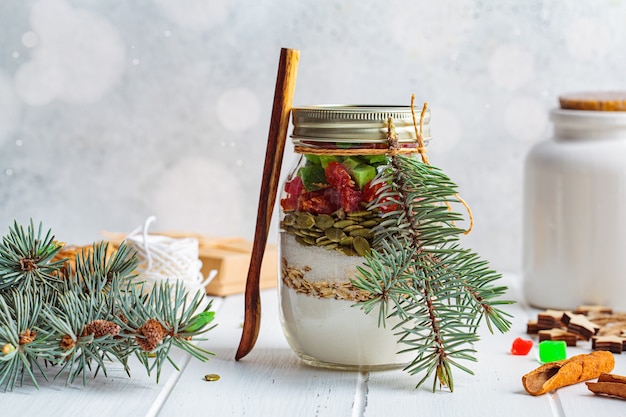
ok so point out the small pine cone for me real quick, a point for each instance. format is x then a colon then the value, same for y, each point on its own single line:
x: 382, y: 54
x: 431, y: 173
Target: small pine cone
x: 152, y: 332
x: 28, y: 264
x: 27, y: 337
x: 123, y: 318
x: 67, y: 342
x: 101, y: 328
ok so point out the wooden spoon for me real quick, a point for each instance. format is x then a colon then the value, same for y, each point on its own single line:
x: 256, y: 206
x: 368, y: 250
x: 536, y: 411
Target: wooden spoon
x: 283, y: 98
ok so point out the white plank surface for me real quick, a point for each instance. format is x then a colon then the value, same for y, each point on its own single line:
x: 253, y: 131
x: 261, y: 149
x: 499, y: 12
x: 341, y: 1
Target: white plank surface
x: 271, y: 381
x: 113, y: 395
x: 494, y: 389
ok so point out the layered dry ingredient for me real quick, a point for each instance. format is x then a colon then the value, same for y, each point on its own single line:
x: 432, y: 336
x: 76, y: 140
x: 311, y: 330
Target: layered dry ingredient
x: 348, y: 233
x: 319, y: 318
x: 326, y: 231
x: 325, y: 202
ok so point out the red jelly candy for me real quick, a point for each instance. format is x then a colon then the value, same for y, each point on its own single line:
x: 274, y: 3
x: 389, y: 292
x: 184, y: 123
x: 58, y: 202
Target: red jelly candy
x: 337, y: 176
x: 521, y: 346
x: 317, y: 202
x: 370, y: 191
x: 293, y: 189
x: 350, y: 199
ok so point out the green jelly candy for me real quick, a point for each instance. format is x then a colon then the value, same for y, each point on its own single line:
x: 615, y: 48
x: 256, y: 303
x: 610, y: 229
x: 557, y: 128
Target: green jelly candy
x: 327, y: 159
x: 350, y: 163
x: 376, y: 159
x: 313, y: 177
x: 363, y: 174
x: 313, y: 159
x: 552, y: 351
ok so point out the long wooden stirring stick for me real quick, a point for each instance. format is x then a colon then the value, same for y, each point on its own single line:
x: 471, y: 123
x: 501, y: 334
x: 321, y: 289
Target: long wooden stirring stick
x: 283, y: 98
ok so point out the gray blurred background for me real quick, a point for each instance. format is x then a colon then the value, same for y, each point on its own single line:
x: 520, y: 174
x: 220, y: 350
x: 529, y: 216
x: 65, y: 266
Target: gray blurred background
x: 115, y: 110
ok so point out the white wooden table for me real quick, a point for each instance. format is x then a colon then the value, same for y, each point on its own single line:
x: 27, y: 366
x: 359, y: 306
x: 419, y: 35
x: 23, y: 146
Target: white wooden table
x: 271, y: 381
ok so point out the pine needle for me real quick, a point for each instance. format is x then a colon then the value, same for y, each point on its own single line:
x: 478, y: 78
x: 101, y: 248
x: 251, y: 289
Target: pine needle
x: 418, y: 273
x: 80, y: 316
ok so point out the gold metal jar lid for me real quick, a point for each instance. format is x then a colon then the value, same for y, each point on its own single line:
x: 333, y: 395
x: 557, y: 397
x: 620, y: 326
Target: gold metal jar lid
x: 355, y: 123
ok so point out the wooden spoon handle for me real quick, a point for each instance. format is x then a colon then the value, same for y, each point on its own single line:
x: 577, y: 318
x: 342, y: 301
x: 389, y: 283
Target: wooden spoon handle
x: 279, y: 123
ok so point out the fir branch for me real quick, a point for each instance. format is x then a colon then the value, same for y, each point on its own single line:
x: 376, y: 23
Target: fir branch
x: 25, y: 256
x: 419, y: 274
x: 160, y: 319
x: 80, y: 314
x: 83, y: 334
x: 20, y: 339
x: 96, y: 264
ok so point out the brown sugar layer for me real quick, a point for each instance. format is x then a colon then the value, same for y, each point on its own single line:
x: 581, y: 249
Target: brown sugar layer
x: 594, y: 101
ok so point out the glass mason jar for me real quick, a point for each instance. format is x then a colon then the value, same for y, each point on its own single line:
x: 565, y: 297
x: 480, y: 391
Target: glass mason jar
x: 575, y: 212
x: 325, y: 232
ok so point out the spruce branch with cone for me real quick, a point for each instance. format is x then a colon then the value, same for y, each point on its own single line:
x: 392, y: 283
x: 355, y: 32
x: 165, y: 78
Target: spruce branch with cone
x: 79, y: 310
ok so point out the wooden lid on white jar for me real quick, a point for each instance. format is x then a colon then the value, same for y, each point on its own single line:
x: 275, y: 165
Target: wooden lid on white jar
x: 594, y: 101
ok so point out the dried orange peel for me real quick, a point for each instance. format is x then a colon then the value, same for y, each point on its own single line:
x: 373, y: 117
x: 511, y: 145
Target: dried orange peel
x: 579, y: 368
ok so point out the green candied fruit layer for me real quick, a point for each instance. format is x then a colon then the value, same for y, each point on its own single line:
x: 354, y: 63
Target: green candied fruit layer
x: 313, y: 159
x: 313, y: 177
x: 375, y: 159
x: 348, y: 233
x: 327, y: 159
x: 362, y: 174
x: 361, y: 168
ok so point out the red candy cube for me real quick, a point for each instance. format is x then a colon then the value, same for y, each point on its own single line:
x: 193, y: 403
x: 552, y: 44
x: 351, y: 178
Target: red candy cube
x: 521, y: 346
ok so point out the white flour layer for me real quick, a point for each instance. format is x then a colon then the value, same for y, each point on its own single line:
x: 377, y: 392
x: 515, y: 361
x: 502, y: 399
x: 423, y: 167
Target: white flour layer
x: 326, y: 331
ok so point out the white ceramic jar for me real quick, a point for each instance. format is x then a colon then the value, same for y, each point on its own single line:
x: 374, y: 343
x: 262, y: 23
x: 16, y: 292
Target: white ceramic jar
x: 574, y: 250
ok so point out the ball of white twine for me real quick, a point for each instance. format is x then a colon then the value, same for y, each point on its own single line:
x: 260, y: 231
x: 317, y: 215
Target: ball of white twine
x: 163, y: 258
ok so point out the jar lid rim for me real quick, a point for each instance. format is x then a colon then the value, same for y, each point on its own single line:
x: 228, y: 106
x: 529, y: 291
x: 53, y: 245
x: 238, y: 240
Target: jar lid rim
x: 349, y: 110
x: 355, y: 123
x: 353, y: 106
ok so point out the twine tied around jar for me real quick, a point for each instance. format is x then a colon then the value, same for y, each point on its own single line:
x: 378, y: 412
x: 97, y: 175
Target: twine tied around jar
x: 421, y: 149
x: 393, y: 148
